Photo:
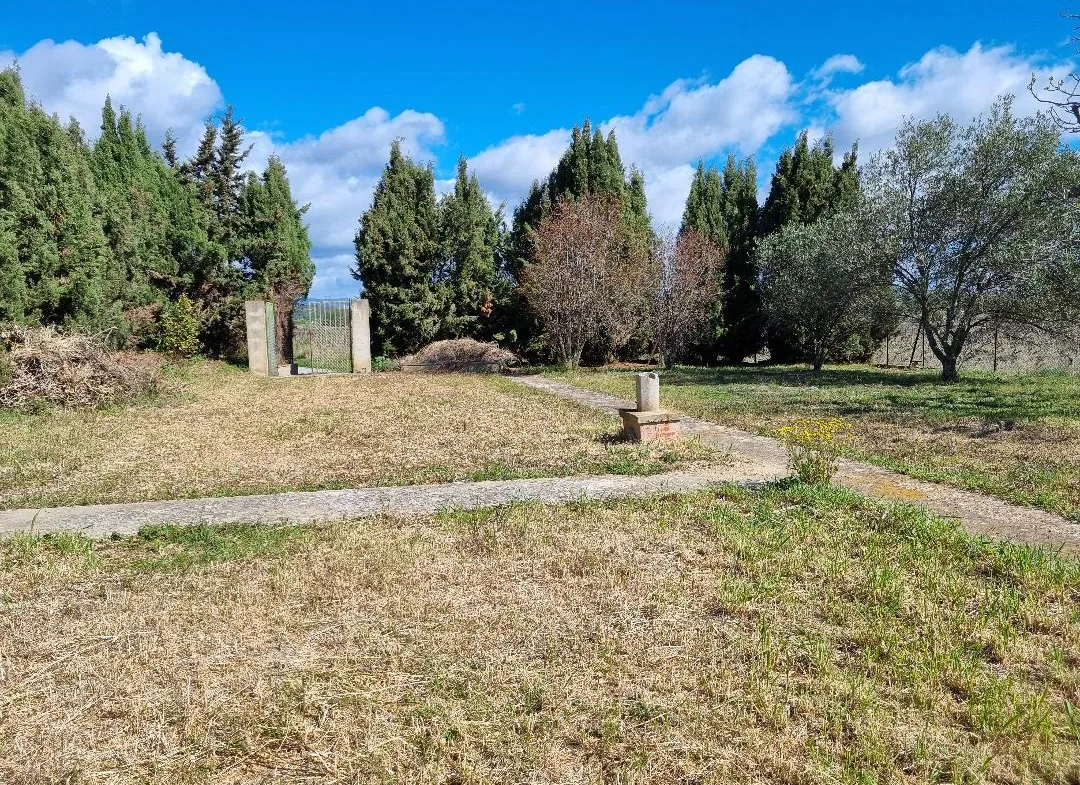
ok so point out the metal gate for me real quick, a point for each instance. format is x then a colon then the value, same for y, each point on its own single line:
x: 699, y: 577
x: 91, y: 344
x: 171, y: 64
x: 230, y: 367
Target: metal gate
x: 322, y: 337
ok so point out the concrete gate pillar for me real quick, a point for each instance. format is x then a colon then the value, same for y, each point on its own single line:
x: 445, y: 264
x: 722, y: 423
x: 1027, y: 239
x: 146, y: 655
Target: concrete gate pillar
x: 261, y: 340
x: 360, y: 325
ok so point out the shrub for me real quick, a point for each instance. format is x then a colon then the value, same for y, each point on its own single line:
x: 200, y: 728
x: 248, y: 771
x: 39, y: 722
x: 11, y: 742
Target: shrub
x: 381, y: 363
x: 814, y: 448
x: 180, y: 329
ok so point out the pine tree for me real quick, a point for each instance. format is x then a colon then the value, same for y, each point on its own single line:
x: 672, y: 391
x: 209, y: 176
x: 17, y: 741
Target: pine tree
x: 470, y: 237
x: 397, y: 248
x: 278, y: 247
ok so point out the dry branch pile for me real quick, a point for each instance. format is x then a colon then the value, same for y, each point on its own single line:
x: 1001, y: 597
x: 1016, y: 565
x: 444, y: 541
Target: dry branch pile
x: 461, y: 354
x: 46, y: 367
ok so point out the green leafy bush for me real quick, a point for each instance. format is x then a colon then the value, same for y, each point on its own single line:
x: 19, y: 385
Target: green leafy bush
x: 384, y: 364
x: 180, y: 329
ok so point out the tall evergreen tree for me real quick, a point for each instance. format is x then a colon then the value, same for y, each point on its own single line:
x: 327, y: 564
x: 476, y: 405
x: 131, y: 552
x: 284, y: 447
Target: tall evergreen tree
x: 591, y: 165
x: 47, y: 196
x: 132, y: 194
x: 704, y: 205
x: 470, y: 237
x: 742, y: 323
x: 724, y: 209
x: 397, y: 248
x: 806, y: 186
x: 278, y: 246
x: 100, y: 237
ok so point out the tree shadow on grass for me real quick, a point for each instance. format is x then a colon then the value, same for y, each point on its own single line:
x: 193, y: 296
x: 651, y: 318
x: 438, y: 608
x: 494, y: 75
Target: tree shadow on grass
x: 855, y: 391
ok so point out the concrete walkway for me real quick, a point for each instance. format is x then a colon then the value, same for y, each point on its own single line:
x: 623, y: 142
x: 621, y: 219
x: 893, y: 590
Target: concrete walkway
x: 322, y: 506
x: 980, y: 514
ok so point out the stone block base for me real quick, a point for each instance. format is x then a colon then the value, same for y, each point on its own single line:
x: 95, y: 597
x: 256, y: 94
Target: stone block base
x: 649, y: 427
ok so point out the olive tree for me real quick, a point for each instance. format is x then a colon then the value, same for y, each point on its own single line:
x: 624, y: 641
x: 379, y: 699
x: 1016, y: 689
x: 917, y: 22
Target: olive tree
x: 973, y: 217
x: 826, y: 284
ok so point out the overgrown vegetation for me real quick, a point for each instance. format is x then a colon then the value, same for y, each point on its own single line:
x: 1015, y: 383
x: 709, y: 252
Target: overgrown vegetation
x: 100, y: 237
x: 795, y: 634
x: 42, y: 368
x: 1013, y: 436
x: 221, y: 431
x: 815, y: 447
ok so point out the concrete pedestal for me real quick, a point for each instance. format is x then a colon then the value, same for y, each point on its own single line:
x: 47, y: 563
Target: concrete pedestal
x: 647, y: 427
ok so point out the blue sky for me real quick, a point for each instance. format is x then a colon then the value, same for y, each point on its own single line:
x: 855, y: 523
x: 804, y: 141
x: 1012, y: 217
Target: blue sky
x: 328, y: 85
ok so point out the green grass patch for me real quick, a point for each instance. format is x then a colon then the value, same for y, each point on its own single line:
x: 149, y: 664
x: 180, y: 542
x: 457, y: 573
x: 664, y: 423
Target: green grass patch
x: 1015, y: 436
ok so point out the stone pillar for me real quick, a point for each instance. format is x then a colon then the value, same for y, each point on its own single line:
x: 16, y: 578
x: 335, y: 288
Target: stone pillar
x: 648, y: 422
x: 258, y: 356
x: 360, y: 325
x: 648, y: 392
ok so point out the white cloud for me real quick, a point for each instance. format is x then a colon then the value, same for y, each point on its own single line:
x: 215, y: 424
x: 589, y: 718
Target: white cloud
x: 72, y: 79
x: 687, y: 121
x: 508, y: 169
x: 837, y: 64
x: 941, y: 81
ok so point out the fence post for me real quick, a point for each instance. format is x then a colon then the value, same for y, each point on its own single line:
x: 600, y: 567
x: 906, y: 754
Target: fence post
x: 257, y: 334
x: 360, y: 335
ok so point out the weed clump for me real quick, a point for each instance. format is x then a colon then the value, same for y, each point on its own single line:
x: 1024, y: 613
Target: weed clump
x: 43, y: 367
x: 814, y: 448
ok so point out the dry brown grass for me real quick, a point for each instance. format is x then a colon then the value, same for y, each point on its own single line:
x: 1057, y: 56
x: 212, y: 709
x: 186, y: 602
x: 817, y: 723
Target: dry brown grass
x: 228, y: 432
x: 796, y: 636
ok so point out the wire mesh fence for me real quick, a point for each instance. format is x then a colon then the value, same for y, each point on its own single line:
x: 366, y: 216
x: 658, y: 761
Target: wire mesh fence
x: 322, y: 336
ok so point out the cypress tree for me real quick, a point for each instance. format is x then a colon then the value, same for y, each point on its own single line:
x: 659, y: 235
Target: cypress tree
x: 742, y: 321
x: 397, y: 248
x: 704, y: 205
x: 470, y: 237
x: 591, y: 164
x: 278, y: 247
x: 102, y: 237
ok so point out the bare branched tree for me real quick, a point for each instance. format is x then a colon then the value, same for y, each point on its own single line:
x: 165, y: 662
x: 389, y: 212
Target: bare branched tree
x: 1062, y: 94
x: 683, y: 287
x: 588, y: 276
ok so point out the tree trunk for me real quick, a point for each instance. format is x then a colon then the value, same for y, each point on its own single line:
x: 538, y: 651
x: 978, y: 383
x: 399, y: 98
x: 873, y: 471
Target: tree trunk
x: 949, y: 373
x: 818, y: 364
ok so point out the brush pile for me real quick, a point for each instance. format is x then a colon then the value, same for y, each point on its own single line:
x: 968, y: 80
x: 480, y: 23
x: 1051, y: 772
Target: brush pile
x: 461, y: 354
x: 42, y: 367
